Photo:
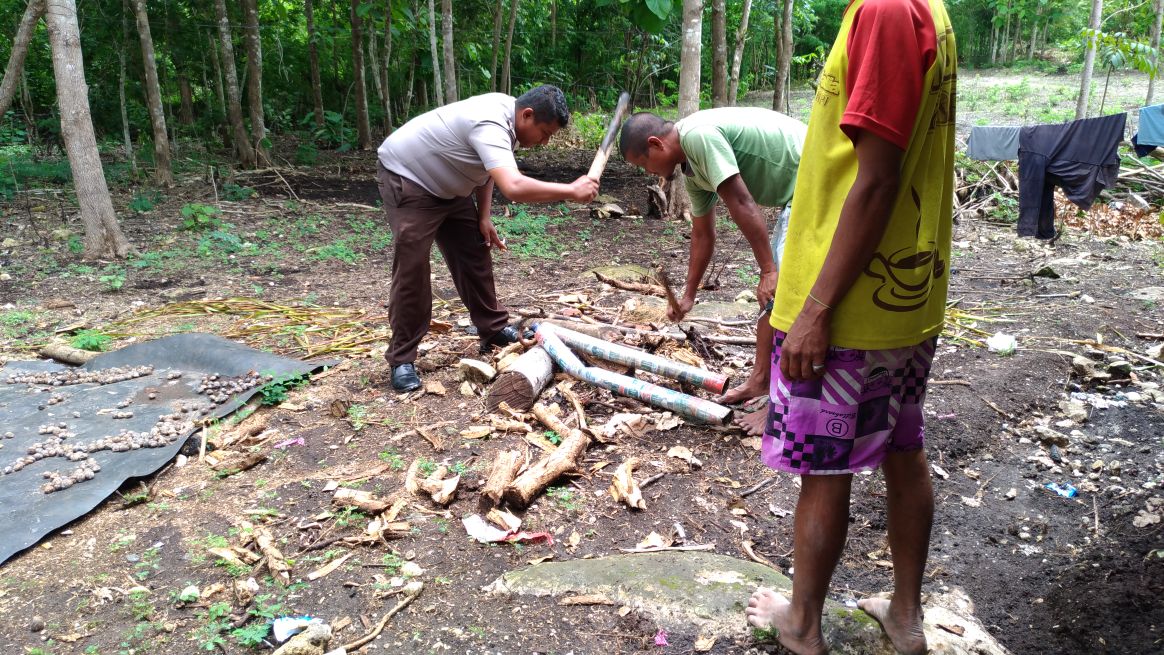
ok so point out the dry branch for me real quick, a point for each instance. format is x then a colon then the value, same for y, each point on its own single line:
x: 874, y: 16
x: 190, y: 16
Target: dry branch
x: 637, y: 287
x: 505, y: 468
x: 623, y: 487
x: 564, y: 460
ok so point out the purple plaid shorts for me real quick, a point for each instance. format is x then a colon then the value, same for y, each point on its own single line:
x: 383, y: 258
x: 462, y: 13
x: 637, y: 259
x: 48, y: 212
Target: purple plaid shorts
x: 868, y: 403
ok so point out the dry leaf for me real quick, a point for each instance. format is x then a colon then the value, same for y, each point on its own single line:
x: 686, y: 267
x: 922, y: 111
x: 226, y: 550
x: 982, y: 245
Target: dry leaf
x: 704, y: 644
x: 574, y: 540
x: 684, y: 453
x: 667, y: 421
x: 654, y: 540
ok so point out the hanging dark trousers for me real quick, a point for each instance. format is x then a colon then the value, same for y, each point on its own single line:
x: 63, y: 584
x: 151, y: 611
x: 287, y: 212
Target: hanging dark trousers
x: 1081, y: 157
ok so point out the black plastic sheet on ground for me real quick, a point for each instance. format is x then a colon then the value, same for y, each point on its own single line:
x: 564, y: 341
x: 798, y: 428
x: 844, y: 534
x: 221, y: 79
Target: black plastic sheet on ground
x: 26, y: 513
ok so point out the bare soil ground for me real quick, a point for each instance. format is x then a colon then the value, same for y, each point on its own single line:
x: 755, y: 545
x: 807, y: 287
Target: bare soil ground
x: 1048, y: 574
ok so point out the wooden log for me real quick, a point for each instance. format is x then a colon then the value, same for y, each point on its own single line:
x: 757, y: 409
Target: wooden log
x: 604, y: 332
x: 520, y: 385
x: 63, y: 352
x: 363, y: 500
x: 505, y: 468
x: 563, y: 460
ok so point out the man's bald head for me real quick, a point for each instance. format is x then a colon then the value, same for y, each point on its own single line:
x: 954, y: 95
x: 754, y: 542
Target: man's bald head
x: 632, y: 142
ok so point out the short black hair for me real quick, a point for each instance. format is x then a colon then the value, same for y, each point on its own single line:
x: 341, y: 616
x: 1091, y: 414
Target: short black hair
x: 548, y: 104
x: 637, y: 129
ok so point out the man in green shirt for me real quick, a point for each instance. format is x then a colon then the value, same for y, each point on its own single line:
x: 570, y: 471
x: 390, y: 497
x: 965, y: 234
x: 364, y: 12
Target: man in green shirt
x: 746, y: 156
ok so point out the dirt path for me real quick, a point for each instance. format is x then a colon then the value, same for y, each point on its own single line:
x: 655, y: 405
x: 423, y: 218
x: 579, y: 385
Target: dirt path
x: 1048, y: 574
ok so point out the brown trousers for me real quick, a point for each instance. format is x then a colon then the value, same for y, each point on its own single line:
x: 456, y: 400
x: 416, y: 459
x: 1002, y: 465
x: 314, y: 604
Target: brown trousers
x: 418, y: 218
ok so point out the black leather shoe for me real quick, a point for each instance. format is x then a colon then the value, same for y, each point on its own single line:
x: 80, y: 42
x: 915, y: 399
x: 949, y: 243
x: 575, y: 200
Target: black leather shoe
x: 404, y: 378
x: 506, y: 336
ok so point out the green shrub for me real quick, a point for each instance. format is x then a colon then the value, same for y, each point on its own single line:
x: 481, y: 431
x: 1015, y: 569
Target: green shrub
x: 234, y: 192
x: 306, y: 154
x: 198, y: 217
x: 92, y: 340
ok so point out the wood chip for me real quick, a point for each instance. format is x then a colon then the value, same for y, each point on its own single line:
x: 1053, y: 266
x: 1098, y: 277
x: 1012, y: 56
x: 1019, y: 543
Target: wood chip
x: 586, y: 599
x: 953, y: 629
x: 329, y: 567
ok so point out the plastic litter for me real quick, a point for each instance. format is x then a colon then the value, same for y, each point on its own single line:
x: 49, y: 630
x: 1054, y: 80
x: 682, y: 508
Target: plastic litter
x: 1002, y: 343
x: 661, y: 638
x: 286, y: 627
x: 487, y: 534
x: 1064, y: 490
x: 297, y: 441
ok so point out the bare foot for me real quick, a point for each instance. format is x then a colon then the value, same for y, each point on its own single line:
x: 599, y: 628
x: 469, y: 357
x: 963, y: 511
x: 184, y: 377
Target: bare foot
x: 906, y: 633
x: 753, y: 423
x: 768, y: 610
x: 751, y: 388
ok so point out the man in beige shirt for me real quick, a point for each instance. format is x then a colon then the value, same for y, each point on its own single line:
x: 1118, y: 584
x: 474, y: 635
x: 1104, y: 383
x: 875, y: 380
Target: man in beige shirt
x: 436, y: 175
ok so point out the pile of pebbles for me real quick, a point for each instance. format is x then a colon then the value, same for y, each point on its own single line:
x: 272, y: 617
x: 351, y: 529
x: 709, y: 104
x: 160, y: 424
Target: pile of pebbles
x: 219, y: 389
x: 78, y: 376
x: 169, y: 427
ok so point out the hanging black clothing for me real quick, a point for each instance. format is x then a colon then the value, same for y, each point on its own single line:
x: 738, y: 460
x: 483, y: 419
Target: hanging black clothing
x: 1081, y: 157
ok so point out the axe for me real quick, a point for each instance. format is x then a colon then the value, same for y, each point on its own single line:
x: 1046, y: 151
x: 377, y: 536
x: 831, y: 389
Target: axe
x: 603, y: 154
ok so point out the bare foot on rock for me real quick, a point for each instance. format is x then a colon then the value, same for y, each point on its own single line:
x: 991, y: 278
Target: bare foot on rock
x: 753, y: 424
x: 768, y: 610
x: 906, y: 633
x: 751, y: 388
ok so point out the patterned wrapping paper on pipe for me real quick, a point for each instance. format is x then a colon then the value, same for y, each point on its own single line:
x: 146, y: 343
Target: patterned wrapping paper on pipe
x: 687, y: 406
x: 644, y: 361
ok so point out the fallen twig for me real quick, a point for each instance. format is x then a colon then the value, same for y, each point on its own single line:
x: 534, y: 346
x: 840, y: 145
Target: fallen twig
x: 411, y: 591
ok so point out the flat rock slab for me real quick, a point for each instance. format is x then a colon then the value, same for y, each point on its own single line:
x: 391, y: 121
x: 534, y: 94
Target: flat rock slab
x: 705, y: 593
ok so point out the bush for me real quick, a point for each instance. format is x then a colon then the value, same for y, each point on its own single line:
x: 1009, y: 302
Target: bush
x: 199, y: 217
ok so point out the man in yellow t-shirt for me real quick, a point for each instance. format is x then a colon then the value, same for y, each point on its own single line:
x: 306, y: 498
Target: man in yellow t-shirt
x: 859, y: 304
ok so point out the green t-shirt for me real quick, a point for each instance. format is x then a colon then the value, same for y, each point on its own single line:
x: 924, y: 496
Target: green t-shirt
x: 761, y: 145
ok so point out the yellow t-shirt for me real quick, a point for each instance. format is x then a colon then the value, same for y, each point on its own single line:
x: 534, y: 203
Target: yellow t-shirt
x: 891, y: 71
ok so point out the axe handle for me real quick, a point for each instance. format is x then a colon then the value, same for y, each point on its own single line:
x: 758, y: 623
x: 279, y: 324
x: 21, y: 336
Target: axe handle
x: 603, y: 154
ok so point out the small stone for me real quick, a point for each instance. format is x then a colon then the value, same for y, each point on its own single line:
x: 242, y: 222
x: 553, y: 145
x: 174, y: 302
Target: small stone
x: 1011, y: 493
x: 1120, y: 366
x: 36, y: 624
x: 1024, y: 535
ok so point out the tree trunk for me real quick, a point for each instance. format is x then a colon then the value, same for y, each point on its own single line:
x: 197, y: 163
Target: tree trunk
x: 217, y: 63
x: 374, y: 62
x: 1034, y: 37
x: 254, y: 45
x: 15, y: 68
x: 447, y: 42
x: 783, y: 58
x: 1088, y: 61
x: 186, y: 94
x: 363, y: 126
x: 163, y: 175
x: 554, y: 24
x: 128, y: 142
x: 738, y: 54
x: 386, y: 68
x: 994, y: 41
x: 497, y: 17
x: 507, y: 69
x: 719, y: 70
x: 1158, y: 7
x: 678, y: 202
x: 242, y: 144
x: 432, y: 47
x: 313, y: 58
x: 103, y: 237
x: 1018, y: 33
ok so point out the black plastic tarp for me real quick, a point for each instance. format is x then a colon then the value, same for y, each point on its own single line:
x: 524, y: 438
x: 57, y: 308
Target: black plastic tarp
x: 26, y: 513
